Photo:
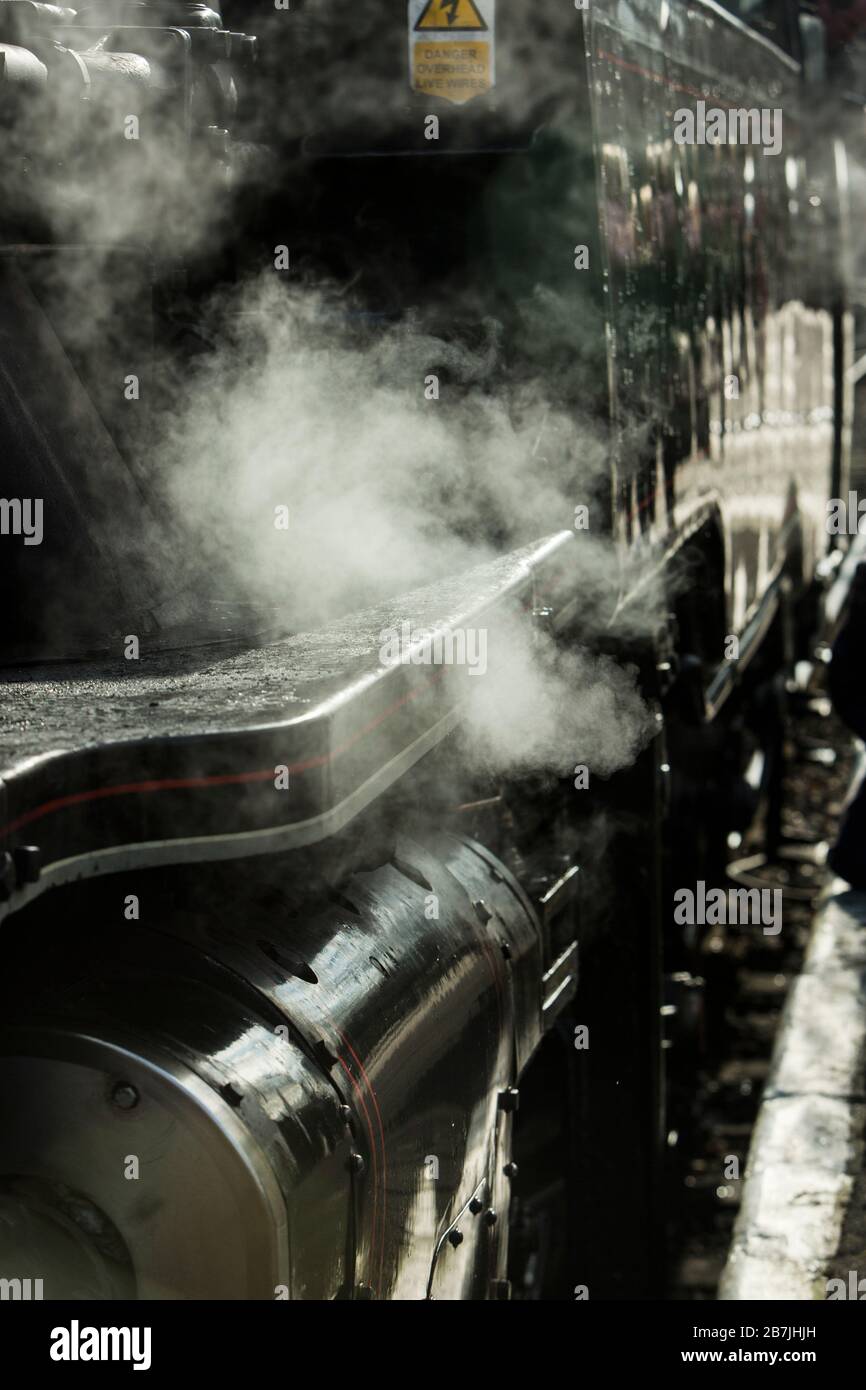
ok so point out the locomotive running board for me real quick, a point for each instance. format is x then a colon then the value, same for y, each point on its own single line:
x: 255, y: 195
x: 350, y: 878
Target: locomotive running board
x: 203, y: 776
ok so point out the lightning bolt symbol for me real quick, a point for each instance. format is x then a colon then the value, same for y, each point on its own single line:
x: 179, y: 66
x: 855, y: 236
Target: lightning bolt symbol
x: 451, y: 6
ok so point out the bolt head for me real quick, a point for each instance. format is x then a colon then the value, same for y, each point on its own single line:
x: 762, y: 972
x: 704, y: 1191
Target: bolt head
x: 476, y: 1205
x: 355, y: 1163
x: 509, y: 1100
x: 490, y: 1217
x: 364, y: 1293
x: 7, y: 876
x: 28, y: 863
x: 456, y: 1238
x: 511, y: 1170
x: 125, y: 1096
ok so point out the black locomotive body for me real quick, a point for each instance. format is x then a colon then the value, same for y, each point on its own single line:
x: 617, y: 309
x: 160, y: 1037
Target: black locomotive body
x: 293, y: 992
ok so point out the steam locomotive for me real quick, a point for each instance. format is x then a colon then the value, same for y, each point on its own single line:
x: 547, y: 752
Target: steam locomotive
x: 297, y: 1002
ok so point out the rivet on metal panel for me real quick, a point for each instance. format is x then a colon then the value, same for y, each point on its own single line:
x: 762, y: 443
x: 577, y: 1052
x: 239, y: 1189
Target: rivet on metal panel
x: 125, y: 1096
x: 28, y: 863
x: 7, y: 876
x: 509, y: 1100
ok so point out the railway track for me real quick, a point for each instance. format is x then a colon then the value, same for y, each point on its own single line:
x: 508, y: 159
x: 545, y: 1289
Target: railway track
x: 755, y: 972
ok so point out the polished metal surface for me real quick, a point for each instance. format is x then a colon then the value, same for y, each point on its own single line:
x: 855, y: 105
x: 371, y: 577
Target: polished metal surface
x: 312, y: 1097
x: 722, y: 326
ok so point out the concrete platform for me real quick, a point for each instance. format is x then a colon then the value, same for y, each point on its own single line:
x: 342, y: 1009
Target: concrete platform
x: 801, y: 1221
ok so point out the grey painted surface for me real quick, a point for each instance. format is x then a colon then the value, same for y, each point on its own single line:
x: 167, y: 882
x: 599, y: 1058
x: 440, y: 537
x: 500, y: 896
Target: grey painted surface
x: 803, y: 1173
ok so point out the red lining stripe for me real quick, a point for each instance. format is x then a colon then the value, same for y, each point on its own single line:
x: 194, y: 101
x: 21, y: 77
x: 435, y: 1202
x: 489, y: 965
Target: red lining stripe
x: 221, y: 779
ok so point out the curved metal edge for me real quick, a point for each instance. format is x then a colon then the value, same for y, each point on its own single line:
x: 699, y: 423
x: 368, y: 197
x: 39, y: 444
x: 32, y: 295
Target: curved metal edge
x: 169, y: 1071
x: 243, y: 844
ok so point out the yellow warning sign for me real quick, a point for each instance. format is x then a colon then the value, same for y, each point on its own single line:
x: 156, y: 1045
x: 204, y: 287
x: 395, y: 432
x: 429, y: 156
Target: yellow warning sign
x: 452, y: 48
x: 455, y: 71
x: 451, y: 15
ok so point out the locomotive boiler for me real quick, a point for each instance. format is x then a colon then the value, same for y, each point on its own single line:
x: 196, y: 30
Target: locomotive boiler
x: 299, y: 1000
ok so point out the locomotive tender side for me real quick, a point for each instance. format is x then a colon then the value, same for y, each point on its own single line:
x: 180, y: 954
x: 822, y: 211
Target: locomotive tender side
x: 727, y: 342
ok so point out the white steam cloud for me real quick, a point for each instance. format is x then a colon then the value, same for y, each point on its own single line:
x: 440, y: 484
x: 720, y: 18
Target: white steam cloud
x: 389, y: 489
